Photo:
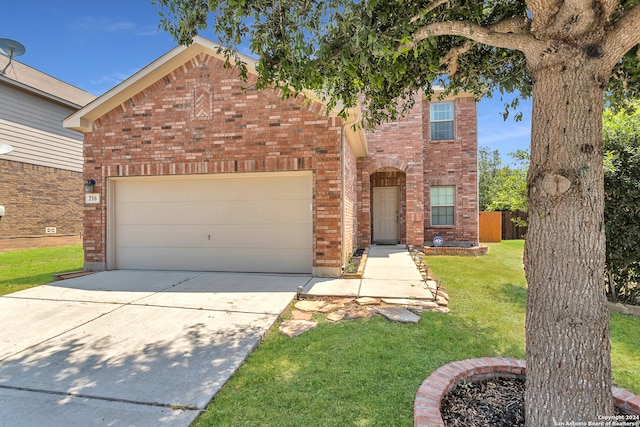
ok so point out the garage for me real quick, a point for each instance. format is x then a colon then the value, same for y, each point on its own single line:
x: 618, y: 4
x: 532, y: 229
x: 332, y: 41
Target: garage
x: 244, y: 222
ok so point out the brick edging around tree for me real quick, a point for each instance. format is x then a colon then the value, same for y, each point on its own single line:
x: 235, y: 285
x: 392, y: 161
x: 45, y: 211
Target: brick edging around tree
x: 426, y: 408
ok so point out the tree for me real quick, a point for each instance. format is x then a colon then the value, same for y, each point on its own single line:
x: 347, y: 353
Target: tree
x: 509, y: 190
x: 502, y: 188
x: 565, y: 54
x: 622, y: 202
x: 489, y: 163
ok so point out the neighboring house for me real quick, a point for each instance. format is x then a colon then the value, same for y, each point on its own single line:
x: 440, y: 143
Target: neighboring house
x: 197, y: 170
x: 41, y: 179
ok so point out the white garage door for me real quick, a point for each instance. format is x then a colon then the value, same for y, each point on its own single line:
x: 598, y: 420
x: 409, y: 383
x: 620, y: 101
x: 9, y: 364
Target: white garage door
x: 258, y: 222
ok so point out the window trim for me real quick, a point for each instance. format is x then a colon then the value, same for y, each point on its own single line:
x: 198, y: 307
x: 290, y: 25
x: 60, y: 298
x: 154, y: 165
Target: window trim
x: 432, y: 205
x: 452, y: 120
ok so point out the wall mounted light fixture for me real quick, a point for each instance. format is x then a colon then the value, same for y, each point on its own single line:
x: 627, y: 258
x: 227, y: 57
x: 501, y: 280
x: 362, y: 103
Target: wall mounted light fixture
x: 90, y: 185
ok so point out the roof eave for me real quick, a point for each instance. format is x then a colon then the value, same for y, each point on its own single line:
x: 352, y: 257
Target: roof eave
x: 40, y: 93
x: 355, y: 135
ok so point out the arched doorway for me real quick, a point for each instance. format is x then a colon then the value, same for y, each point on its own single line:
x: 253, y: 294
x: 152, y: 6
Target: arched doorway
x: 388, y: 206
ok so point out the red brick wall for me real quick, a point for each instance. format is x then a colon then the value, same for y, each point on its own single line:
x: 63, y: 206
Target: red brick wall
x: 404, y: 149
x: 36, y: 197
x: 199, y: 119
x: 395, y: 147
x: 454, y: 163
x: 350, y: 216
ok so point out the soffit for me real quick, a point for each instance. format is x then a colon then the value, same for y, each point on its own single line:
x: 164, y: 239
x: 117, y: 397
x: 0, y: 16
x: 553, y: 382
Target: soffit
x: 34, y: 81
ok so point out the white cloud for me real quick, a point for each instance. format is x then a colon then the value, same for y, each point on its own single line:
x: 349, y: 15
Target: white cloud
x: 103, y: 24
x: 108, y: 82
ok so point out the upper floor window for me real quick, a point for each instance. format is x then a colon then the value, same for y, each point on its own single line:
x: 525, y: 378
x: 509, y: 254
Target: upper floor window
x: 441, y: 114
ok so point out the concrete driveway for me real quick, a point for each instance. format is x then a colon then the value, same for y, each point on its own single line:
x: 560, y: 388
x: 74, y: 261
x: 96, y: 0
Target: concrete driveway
x: 130, y: 348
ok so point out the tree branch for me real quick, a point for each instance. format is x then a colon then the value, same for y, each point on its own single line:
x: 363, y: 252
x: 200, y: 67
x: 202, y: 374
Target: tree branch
x: 451, y: 58
x: 623, y: 37
x: 512, y: 33
x: 423, y: 12
x: 574, y: 18
x: 609, y: 7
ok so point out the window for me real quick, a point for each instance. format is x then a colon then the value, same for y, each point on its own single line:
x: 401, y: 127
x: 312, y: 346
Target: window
x: 441, y: 114
x: 443, y: 205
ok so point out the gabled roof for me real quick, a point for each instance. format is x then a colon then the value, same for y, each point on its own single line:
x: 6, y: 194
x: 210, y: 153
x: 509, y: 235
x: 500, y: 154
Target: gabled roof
x: 83, y: 119
x: 31, y: 80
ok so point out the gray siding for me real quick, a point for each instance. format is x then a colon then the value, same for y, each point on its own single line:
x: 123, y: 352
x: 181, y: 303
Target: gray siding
x: 33, y: 126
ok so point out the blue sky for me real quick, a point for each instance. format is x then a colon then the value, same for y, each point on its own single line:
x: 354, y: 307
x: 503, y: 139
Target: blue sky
x: 94, y: 45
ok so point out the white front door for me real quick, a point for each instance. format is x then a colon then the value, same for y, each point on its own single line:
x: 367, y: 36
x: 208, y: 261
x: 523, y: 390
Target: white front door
x: 385, y: 214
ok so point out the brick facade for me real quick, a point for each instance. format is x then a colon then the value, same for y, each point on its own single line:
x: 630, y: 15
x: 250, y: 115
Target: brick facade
x: 394, y: 160
x: 199, y: 119
x: 350, y: 209
x: 402, y: 154
x: 454, y: 163
x: 36, y: 197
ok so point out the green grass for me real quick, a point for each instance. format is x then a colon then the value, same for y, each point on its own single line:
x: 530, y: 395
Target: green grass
x: 27, y: 268
x: 367, y: 372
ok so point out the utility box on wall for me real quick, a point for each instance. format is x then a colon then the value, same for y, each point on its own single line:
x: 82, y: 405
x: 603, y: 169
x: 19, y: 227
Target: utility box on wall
x: 490, y: 227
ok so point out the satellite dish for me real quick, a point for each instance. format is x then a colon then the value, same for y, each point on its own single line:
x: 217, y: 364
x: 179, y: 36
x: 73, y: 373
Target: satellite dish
x: 11, y: 48
x: 5, y: 148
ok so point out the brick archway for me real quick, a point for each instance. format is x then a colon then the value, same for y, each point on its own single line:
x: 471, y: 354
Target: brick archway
x: 391, y: 172
x: 376, y: 165
x: 412, y: 193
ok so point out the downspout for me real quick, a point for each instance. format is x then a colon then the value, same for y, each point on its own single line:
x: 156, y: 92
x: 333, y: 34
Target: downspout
x: 343, y: 206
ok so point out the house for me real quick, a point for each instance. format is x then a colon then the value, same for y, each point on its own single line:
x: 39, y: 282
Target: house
x: 197, y: 170
x: 41, y: 179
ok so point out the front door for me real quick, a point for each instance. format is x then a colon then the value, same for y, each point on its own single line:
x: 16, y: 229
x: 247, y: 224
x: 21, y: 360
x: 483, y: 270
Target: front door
x: 385, y: 214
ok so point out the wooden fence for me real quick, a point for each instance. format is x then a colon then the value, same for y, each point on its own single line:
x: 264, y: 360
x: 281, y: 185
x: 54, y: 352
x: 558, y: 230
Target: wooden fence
x: 490, y: 227
x: 497, y: 226
x: 510, y: 231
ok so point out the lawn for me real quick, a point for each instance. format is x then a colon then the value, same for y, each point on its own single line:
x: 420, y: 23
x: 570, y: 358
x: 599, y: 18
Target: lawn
x: 366, y: 372
x: 23, y: 269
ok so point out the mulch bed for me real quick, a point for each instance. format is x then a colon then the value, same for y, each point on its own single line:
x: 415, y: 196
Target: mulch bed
x: 354, y: 261
x: 496, y: 402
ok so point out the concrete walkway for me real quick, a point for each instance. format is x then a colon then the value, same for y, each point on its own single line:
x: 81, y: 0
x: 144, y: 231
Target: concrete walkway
x: 389, y: 273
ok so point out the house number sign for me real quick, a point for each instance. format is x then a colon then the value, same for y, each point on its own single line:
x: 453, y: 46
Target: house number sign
x: 92, y: 198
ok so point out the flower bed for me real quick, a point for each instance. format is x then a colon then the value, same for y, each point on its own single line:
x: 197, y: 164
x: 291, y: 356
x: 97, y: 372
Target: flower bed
x: 355, y: 267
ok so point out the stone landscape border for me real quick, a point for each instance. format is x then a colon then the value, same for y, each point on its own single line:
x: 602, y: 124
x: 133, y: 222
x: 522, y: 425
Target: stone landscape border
x: 426, y: 409
x: 454, y: 250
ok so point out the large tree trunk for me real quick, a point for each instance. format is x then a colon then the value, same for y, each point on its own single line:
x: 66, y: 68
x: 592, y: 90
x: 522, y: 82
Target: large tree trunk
x: 567, y: 323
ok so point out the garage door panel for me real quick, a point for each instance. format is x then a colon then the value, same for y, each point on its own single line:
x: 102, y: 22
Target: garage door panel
x: 236, y: 212
x: 220, y: 236
x: 249, y: 260
x: 229, y: 188
x: 205, y: 222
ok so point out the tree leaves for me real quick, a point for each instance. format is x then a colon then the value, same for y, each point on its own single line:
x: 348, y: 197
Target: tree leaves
x: 622, y: 199
x: 502, y: 188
